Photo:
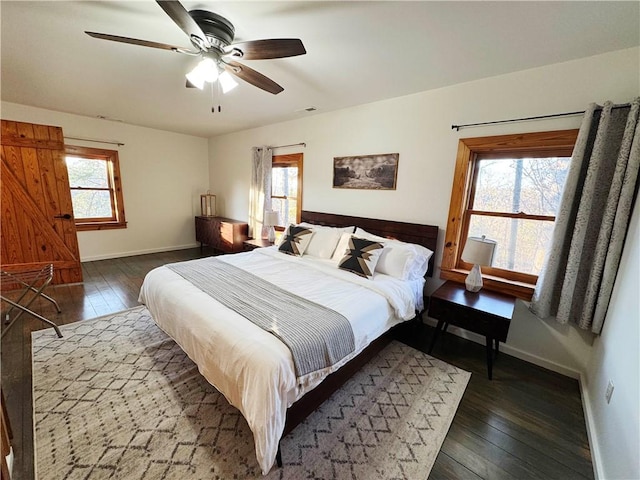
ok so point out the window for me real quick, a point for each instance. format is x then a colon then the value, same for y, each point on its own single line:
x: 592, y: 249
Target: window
x: 286, y: 188
x: 508, y: 188
x: 96, y: 191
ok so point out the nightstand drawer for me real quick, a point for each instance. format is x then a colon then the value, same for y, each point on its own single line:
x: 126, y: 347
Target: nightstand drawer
x: 459, y: 316
x: 254, y: 243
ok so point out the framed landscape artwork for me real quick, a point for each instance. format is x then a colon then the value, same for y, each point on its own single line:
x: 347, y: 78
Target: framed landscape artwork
x: 371, y: 172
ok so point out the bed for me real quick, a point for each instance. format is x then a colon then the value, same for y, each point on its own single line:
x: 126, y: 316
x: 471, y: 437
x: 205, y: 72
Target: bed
x: 253, y: 368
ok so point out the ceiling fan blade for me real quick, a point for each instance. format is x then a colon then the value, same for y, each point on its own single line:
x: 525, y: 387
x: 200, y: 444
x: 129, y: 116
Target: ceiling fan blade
x: 266, y: 49
x: 251, y: 76
x: 135, y: 41
x: 181, y: 17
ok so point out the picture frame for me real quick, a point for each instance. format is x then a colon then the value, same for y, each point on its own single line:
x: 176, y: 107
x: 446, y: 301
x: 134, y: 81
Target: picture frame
x: 366, y: 172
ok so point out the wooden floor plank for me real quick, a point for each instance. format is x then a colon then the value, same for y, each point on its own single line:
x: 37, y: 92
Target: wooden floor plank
x: 474, y: 461
x: 526, y: 423
x: 446, y: 468
x: 547, y: 466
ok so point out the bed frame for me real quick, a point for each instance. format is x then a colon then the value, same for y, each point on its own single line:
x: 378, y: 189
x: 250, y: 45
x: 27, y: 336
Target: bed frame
x: 425, y: 235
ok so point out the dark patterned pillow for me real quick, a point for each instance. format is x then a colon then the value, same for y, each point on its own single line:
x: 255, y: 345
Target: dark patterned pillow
x: 295, y: 240
x: 361, y: 257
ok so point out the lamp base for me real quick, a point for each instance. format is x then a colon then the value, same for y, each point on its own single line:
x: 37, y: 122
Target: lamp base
x: 474, y: 279
x: 272, y: 235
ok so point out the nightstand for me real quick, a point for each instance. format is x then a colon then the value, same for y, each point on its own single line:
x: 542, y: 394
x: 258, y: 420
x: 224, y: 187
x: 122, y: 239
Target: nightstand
x: 254, y: 243
x: 486, y: 313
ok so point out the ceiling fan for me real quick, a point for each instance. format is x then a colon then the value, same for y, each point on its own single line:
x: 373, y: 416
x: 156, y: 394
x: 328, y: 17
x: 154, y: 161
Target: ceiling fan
x: 212, y: 36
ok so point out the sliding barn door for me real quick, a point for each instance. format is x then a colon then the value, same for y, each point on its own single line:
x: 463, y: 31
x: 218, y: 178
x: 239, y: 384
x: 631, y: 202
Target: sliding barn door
x: 36, y: 210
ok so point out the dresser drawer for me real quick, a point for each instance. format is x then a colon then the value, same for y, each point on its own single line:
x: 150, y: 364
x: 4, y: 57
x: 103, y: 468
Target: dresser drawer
x: 224, y: 234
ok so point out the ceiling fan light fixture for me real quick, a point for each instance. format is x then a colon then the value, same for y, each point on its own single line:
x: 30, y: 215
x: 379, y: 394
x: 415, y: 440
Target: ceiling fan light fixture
x: 205, y: 71
x: 212, y: 36
x: 227, y: 82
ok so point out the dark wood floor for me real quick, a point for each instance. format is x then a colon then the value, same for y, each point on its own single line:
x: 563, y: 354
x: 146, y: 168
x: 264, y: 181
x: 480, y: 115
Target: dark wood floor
x: 526, y: 423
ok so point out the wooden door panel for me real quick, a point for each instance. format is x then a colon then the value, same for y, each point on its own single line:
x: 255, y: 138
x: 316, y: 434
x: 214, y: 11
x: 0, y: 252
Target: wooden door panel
x: 32, y: 182
x: 41, y: 132
x: 25, y: 130
x: 24, y: 209
x: 13, y: 157
x: 35, y: 190
x: 11, y: 252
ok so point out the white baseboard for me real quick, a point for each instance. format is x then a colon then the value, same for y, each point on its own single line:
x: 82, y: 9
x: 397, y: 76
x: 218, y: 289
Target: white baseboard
x: 591, y: 430
x: 514, y: 352
x: 137, y: 252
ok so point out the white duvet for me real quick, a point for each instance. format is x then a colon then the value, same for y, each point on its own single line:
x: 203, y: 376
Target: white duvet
x: 252, y: 368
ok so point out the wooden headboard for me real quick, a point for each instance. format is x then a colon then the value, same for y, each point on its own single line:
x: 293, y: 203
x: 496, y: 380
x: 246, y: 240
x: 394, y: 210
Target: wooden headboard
x: 425, y: 235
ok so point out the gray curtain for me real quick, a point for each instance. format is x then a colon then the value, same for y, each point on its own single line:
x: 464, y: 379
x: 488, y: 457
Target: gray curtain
x: 594, y: 215
x: 259, y: 190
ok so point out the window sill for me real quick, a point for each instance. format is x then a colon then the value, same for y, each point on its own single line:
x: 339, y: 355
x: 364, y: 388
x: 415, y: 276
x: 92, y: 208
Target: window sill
x: 83, y: 227
x: 520, y: 290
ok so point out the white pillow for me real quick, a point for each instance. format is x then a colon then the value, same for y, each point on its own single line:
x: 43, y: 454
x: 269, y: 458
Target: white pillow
x: 406, y: 261
x: 339, y: 229
x: 324, y: 240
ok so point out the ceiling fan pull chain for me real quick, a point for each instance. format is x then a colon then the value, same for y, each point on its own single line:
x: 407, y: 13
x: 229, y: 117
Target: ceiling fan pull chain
x: 213, y: 100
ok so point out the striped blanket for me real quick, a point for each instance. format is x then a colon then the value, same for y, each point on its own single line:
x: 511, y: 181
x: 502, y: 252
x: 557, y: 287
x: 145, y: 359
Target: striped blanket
x: 317, y: 336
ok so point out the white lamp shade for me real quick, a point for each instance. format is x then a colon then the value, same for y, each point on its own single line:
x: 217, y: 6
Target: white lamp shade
x: 271, y: 218
x: 227, y: 82
x: 479, y: 251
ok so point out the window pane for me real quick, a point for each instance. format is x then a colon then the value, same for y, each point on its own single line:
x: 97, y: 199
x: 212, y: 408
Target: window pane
x: 84, y: 172
x: 284, y: 182
x: 522, y: 244
x: 529, y: 185
x: 91, y: 203
x: 287, y: 208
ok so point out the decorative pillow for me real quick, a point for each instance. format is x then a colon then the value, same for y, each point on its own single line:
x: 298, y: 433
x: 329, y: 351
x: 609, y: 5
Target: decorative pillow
x: 406, y: 261
x: 342, y: 248
x: 361, y: 257
x: 324, y: 240
x: 295, y: 240
x: 280, y: 239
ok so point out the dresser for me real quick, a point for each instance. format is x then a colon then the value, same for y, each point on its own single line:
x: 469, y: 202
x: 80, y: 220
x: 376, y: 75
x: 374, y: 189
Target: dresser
x: 224, y: 234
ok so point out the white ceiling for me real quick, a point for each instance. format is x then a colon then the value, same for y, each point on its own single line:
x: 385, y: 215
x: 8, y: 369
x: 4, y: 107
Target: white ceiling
x: 357, y: 52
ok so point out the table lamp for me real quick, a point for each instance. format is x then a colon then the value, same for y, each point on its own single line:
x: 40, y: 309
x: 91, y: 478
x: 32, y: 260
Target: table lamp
x: 271, y: 219
x: 478, y: 251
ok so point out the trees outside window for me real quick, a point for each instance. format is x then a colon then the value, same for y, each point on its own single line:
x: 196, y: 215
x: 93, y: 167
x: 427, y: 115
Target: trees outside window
x: 286, y: 188
x: 96, y: 191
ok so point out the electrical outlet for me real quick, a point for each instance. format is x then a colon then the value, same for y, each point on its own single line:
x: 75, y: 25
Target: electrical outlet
x: 609, y: 391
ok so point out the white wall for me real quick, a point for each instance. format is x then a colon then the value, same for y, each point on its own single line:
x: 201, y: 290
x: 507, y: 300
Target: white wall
x: 616, y: 357
x: 163, y: 174
x: 419, y: 128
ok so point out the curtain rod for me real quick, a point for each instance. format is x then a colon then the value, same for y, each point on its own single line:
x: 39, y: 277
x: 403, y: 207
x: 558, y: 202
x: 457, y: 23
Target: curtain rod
x: 282, y: 146
x: 109, y: 142
x: 539, y: 117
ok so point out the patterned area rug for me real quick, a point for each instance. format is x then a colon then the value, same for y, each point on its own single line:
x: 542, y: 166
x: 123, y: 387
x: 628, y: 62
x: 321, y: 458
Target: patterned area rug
x: 117, y: 398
